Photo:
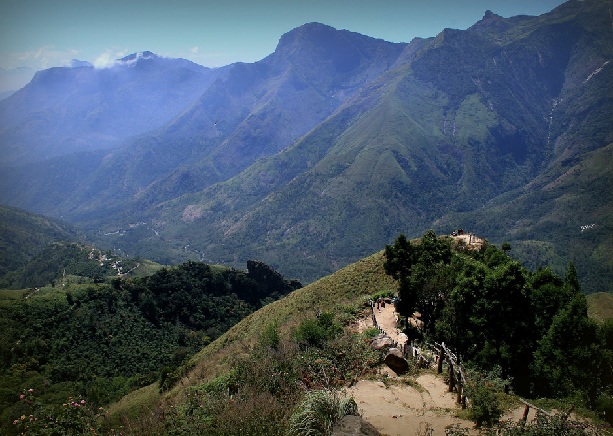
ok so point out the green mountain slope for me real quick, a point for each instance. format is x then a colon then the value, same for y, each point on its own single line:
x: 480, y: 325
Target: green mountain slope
x: 260, y: 367
x: 338, y: 293
x: 251, y: 111
x: 573, y: 210
x: 462, y: 119
x: 600, y: 306
x: 24, y: 235
x: 337, y: 135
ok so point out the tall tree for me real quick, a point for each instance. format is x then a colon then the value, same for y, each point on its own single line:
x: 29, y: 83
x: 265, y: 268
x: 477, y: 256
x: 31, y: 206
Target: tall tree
x: 423, y: 274
x: 569, y: 357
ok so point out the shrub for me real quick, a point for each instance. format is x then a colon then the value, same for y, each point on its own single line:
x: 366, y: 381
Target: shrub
x: 485, y: 406
x: 318, y: 412
x: 604, y: 407
x: 383, y: 294
x: 270, y: 336
x: 482, y: 390
x: 558, y: 425
x: 371, y: 332
x: 314, y: 332
x: 74, y: 417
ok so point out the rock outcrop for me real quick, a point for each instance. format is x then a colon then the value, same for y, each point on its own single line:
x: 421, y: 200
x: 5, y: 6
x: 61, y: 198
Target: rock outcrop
x: 396, y: 361
x: 382, y: 341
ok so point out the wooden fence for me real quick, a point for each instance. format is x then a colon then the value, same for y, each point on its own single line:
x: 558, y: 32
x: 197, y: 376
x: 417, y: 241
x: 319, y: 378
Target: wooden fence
x: 457, y: 379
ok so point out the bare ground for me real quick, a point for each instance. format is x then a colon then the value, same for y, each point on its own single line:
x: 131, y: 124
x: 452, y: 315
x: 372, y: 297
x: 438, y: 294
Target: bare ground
x: 404, y: 406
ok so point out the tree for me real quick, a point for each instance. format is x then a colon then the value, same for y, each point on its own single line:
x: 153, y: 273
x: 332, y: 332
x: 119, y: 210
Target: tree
x: 571, y: 280
x: 399, y: 260
x: 400, y: 257
x: 422, y: 273
x: 569, y: 357
x: 548, y: 295
x: 487, y: 317
x: 459, y: 325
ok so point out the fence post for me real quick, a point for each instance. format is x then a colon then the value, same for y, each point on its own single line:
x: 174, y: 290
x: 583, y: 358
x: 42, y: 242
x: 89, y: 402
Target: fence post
x: 459, y: 389
x: 524, y: 417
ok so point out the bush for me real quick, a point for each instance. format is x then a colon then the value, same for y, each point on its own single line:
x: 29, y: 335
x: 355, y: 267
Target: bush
x: 558, y: 425
x: 604, y: 407
x: 315, y: 332
x: 485, y: 406
x: 318, y: 412
x: 75, y: 416
x: 371, y: 332
x: 383, y: 294
x: 482, y: 390
x: 270, y: 337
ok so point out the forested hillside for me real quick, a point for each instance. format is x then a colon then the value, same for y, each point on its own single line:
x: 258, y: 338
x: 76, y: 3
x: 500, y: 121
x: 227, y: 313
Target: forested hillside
x: 99, y: 342
x: 24, y: 235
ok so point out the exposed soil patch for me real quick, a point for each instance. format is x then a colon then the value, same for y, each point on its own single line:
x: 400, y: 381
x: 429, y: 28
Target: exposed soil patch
x: 402, y: 406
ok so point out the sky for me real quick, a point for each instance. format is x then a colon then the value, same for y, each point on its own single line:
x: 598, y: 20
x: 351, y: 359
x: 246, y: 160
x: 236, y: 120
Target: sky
x: 39, y: 34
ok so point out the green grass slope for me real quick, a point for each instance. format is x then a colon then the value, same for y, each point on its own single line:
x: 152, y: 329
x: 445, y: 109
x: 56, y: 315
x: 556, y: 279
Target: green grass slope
x: 335, y: 293
x: 23, y: 235
x: 600, y: 306
x: 347, y: 286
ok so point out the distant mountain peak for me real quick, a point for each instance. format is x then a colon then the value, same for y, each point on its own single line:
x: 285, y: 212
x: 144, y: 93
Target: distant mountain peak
x: 306, y: 32
x: 489, y: 15
x: 342, y: 48
x: 76, y: 63
x: 491, y: 22
x: 135, y: 57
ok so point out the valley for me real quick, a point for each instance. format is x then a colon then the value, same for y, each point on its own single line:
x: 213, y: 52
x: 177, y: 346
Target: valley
x: 502, y: 127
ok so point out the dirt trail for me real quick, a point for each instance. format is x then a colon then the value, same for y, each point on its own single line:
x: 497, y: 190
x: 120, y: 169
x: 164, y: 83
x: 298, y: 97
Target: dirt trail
x: 402, y: 409
x: 387, y: 319
x: 399, y: 408
x: 471, y: 241
x: 403, y: 406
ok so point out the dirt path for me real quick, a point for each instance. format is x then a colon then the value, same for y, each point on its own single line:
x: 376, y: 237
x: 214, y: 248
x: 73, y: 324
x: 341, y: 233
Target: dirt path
x: 387, y: 318
x: 402, y: 409
x: 403, y: 406
x: 471, y: 241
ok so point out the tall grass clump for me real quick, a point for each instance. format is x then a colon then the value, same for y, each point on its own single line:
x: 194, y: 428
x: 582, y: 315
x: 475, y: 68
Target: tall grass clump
x: 318, y: 412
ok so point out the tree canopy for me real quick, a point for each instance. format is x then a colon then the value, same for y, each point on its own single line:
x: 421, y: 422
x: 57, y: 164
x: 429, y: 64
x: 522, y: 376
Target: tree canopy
x: 496, y: 313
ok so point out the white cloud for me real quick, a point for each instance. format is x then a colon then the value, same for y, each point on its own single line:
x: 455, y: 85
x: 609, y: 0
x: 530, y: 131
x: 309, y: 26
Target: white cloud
x: 194, y: 50
x: 105, y: 60
x: 108, y: 58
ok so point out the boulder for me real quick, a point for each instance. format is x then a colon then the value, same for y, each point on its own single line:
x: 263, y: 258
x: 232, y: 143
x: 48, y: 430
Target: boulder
x: 396, y: 361
x: 354, y: 426
x: 382, y: 341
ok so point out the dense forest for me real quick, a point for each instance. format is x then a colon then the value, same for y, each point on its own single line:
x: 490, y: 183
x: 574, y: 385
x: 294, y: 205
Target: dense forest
x: 532, y: 327
x: 100, y: 341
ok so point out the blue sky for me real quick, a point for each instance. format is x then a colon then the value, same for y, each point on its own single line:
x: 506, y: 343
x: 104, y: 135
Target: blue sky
x: 38, y: 34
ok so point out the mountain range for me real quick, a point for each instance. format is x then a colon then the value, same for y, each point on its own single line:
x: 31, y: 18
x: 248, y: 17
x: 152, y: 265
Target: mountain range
x: 328, y: 148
